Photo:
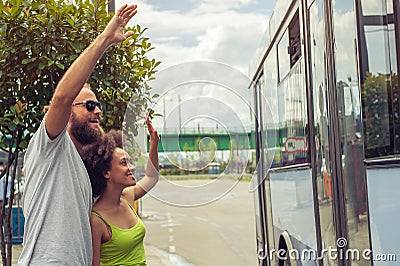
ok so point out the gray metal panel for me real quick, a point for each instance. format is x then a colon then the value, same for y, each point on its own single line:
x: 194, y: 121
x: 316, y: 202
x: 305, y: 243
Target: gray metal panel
x: 384, y: 211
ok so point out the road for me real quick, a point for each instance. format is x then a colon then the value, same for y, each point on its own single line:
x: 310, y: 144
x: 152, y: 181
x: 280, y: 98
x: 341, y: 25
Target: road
x: 221, y: 232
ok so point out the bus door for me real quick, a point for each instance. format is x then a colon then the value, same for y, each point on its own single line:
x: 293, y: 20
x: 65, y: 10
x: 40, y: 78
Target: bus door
x: 258, y: 179
x: 340, y: 171
x: 379, y: 52
x: 289, y: 197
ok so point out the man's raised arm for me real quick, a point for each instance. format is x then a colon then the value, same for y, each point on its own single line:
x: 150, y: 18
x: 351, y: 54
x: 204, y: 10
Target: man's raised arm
x: 73, y: 80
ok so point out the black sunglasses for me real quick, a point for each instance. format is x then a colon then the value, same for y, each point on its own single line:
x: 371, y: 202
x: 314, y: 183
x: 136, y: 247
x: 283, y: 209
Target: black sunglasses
x: 90, y: 105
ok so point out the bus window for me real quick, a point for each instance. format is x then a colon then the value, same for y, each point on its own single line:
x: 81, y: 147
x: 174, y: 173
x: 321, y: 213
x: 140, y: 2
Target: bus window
x: 283, y: 56
x: 289, y: 47
x: 379, y: 78
x: 269, y: 92
x: 294, y: 40
x: 286, y: 94
x: 292, y: 105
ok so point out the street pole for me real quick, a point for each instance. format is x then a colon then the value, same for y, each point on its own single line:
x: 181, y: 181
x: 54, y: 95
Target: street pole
x: 180, y: 111
x: 165, y: 122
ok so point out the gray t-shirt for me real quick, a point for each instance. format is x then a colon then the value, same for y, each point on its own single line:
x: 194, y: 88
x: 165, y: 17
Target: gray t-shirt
x: 57, y: 203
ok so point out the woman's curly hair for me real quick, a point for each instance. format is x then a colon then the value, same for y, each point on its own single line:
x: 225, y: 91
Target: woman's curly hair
x: 97, y: 158
x: 117, y: 136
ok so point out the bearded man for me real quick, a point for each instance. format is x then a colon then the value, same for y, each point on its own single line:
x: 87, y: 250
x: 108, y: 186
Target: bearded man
x: 58, y: 196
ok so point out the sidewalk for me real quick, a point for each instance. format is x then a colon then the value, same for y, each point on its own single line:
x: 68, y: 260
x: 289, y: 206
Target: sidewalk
x: 154, y: 257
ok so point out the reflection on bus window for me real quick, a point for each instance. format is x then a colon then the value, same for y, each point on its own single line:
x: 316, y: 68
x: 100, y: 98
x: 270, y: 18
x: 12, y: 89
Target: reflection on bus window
x: 379, y: 78
x: 291, y: 145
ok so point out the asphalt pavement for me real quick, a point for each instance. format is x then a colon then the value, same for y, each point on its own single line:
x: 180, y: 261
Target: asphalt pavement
x: 154, y: 256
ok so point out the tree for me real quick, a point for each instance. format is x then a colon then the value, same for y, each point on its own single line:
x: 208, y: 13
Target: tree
x: 39, y: 39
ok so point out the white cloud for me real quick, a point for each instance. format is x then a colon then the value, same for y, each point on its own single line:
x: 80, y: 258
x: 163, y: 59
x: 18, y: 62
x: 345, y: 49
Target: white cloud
x: 210, y: 6
x: 227, y: 32
x: 212, y: 30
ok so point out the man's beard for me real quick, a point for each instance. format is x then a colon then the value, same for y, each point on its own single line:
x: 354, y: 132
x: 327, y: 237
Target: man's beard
x: 83, y: 133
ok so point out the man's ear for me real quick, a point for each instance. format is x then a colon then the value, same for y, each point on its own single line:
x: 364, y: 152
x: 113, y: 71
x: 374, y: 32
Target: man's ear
x: 45, y: 109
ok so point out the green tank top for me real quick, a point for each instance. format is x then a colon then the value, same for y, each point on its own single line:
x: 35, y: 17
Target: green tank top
x: 125, y: 246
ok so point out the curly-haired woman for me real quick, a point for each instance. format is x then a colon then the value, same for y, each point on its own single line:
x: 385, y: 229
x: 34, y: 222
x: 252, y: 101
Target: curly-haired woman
x: 117, y: 231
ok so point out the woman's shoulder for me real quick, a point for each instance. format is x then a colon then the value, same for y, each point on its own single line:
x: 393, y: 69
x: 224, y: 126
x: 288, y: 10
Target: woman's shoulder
x: 97, y: 223
x: 96, y: 216
x: 100, y: 227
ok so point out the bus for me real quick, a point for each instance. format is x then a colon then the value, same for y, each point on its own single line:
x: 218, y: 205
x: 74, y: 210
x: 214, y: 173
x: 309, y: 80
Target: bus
x: 327, y: 111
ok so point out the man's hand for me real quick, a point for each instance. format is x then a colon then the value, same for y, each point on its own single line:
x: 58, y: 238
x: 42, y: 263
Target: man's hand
x: 114, y: 32
x: 73, y: 80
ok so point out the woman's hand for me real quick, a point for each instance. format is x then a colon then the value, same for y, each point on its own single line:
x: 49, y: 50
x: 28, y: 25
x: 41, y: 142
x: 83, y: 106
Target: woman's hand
x: 154, y: 138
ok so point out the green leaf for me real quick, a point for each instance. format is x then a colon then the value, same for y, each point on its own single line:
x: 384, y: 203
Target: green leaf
x: 13, y: 74
x: 28, y: 60
x: 61, y: 66
x: 43, y: 41
x: 23, y: 145
x: 12, y: 126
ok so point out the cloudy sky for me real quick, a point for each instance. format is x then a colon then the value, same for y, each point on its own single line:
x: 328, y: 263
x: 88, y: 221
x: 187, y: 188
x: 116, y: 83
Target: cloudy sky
x: 226, y: 31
